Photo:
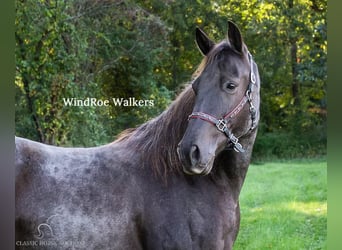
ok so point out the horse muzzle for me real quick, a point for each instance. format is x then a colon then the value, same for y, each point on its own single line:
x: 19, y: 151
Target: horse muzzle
x: 194, y: 160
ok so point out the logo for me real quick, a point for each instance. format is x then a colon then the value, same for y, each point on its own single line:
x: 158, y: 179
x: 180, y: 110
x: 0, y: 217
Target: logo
x: 45, y: 228
x: 45, y: 236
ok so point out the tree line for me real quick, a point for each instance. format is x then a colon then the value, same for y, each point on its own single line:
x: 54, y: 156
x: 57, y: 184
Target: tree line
x: 145, y: 49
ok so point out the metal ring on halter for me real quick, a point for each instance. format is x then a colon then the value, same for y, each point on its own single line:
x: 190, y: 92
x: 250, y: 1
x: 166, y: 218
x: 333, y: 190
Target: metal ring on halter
x: 221, y: 125
x: 253, y: 78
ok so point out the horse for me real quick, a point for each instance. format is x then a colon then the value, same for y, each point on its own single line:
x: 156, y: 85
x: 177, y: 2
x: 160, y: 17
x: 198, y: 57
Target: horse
x: 171, y: 183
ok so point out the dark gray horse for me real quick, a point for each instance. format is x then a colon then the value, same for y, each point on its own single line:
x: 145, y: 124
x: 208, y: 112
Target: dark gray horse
x: 172, y: 183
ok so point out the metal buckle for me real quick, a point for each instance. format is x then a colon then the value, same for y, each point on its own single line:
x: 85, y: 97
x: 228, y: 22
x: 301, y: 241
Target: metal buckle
x: 221, y: 125
x: 233, y: 138
x: 238, y: 148
x: 235, y: 141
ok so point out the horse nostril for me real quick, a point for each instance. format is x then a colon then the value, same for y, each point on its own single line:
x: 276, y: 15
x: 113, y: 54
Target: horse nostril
x: 194, y: 155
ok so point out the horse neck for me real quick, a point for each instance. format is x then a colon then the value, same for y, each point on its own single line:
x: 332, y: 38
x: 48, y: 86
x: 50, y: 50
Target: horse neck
x: 157, y: 140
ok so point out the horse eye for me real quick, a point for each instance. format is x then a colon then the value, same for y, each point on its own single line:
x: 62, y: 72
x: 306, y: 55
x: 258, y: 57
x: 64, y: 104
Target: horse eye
x: 230, y: 85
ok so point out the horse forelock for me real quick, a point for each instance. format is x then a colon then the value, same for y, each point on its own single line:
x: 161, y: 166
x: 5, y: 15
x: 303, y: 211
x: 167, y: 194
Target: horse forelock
x: 156, y: 141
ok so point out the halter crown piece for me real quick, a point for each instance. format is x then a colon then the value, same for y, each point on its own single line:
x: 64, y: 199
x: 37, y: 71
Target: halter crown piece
x: 222, y: 123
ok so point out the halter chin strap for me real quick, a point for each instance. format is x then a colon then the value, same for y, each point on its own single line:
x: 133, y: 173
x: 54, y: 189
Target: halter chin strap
x: 222, y: 123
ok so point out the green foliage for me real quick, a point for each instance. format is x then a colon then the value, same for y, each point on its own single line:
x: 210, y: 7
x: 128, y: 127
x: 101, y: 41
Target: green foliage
x: 85, y: 49
x: 45, y: 68
x: 284, y: 206
x: 289, y: 145
x: 146, y: 50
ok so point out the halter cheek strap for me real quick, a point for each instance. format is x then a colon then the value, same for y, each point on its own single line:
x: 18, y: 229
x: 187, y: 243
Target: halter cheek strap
x: 222, y: 123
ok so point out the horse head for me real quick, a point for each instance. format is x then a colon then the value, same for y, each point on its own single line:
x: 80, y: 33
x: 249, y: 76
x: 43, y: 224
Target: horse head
x: 226, y: 102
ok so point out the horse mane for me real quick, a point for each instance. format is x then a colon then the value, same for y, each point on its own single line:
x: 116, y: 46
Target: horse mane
x: 157, y: 139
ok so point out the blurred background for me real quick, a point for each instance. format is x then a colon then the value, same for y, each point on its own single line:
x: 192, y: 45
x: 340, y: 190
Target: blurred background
x: 146, y: 50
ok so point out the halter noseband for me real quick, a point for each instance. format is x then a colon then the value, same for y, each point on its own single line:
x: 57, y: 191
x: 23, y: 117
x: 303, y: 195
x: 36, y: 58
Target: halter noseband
x: 222, y: 123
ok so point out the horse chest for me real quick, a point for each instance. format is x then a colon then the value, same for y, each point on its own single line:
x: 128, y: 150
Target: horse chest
x: 192, y: 220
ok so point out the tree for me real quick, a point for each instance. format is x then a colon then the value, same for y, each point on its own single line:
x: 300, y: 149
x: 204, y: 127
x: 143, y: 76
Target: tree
x: 46, y: 68
x: 81, y: 49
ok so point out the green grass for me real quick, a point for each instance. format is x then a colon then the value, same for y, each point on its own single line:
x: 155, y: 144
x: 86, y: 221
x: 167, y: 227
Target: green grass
x: 284, y: 206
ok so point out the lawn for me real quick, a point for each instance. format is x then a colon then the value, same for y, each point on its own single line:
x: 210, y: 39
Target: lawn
x: 284, y: 206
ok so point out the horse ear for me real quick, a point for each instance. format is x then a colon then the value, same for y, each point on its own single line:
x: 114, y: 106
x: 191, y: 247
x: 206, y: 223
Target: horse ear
x: 234, y: 36
x: 203, y: 41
